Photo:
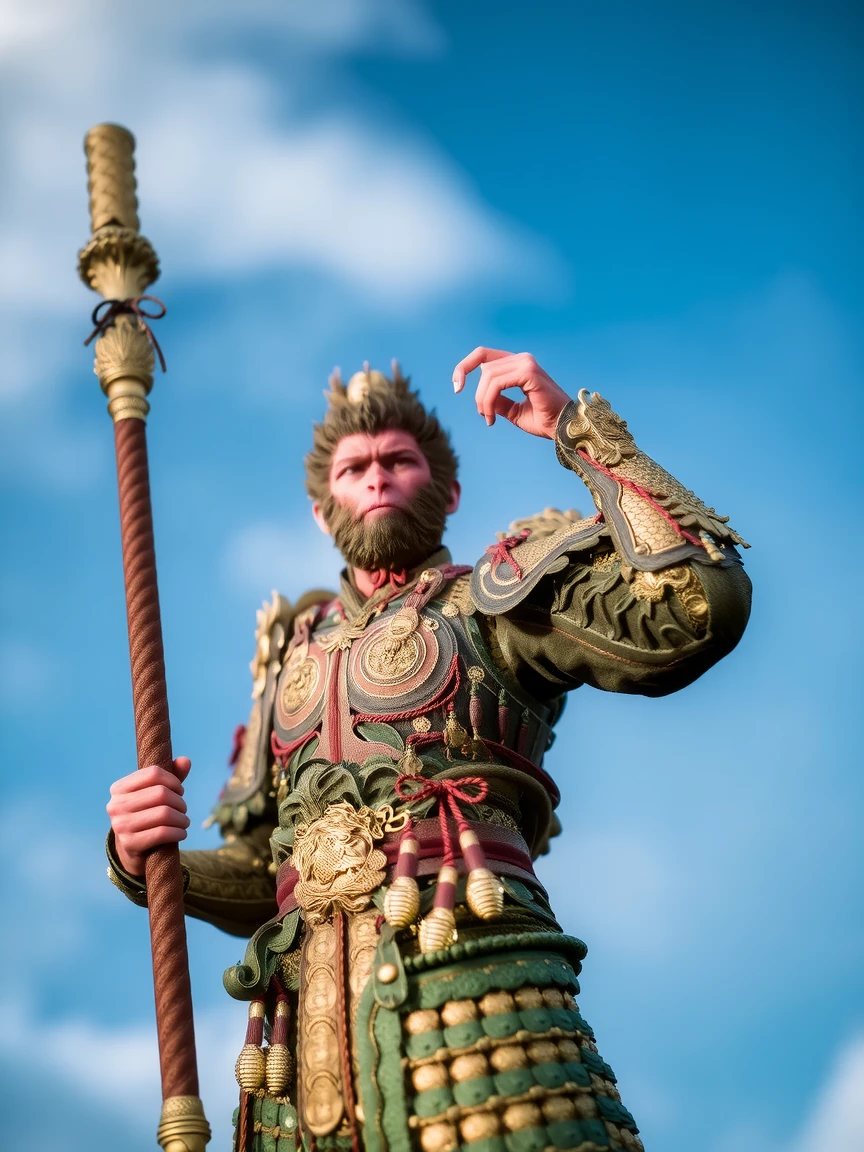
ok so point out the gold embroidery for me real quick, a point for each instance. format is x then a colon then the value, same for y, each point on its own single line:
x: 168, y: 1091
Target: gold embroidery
x: 268, y: 616
x: 682, y: 579
x: 318, y: 1044
x: 339, y: 866
x: 300, y: 681
x: 348, y: 631
x: 390, y: 659
x: 457, y: 597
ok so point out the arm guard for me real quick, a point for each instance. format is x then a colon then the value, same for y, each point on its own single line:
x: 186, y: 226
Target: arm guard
x: 654, y: 521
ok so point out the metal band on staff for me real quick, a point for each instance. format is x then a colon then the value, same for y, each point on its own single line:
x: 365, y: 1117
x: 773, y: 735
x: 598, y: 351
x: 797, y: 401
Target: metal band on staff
x: 120, y: 264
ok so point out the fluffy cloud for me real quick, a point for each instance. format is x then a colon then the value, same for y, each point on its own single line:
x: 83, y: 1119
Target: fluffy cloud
x: 836, y: 1120
x: 297, y: 557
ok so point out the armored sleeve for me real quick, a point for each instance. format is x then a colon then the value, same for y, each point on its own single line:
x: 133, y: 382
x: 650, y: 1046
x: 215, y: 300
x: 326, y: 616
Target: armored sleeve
x: 233, y: 886
x: 643, y: 597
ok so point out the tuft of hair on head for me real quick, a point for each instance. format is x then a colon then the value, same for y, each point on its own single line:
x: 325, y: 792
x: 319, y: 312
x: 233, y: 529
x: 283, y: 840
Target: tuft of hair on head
x: 372, y: 402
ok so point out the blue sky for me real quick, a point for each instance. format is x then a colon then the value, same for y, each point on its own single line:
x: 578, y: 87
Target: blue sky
x: 662, y: 203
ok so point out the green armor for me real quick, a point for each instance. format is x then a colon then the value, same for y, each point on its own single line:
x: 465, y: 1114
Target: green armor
x: 411, y: 1032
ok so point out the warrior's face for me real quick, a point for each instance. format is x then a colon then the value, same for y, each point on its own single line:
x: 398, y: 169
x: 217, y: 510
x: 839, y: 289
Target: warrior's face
x: 383, y: 511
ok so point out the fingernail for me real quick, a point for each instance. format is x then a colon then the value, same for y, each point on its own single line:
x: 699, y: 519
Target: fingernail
x: 455, y: 384
x: 490, y: 420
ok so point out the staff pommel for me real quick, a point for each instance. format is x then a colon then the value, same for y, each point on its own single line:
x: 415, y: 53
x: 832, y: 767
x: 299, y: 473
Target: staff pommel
x: 119, y: 264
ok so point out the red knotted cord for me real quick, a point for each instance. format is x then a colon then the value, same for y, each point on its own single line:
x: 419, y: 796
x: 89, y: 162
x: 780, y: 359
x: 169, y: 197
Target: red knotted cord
x: 501, y: 552
x: 646, y: 496
x: 448, y: 794
x: 381, y: 576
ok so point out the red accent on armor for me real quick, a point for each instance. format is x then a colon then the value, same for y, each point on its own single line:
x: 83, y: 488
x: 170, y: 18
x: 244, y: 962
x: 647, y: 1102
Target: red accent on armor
x: 282, y: 752
x: 646, y: 496
x: 428, y: 706
x: 504, y: 850
x: 397, y: 579
x: 344, y: 1030
x: 451, y: 571
x: 334, y: 730
x: 501, y: 551
x: 448, y: 794
x: 237, y: 746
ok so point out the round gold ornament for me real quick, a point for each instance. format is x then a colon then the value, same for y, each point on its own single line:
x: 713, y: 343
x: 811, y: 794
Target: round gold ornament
x: 437, y: 930
x: 402, y: 902
x: 484, y: 893
x: 528, y: 998
x: 424, y: 1020
x: 508, y: 1057
x: 250, y: 1067
x: 429, y: 1076
x: 480, y: 1126
x: 542, y: 1052
x: 569, y: 1051
x: 438, y: 1138
x: 519, y: 1116
x: 469, y: 1067
x: 558, y: 1108
x: 278, y: 1069
x: 458, y: 1012
x: 493, y: 1003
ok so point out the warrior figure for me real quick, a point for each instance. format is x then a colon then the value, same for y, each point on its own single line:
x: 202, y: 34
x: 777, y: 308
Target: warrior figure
x: 388, y: 794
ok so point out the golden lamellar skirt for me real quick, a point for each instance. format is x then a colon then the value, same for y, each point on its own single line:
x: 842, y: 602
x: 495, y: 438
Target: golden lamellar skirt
x: 479, y: 1047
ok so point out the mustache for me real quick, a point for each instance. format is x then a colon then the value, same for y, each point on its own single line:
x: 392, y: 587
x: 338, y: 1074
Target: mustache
x: 399, y: 538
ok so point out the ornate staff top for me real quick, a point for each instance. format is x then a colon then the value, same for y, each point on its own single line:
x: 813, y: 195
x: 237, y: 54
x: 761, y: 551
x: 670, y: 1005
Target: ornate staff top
x: 120, y: 265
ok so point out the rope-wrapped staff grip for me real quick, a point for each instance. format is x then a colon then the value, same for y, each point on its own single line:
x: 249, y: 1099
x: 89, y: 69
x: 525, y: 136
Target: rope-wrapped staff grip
x: 119, y: 264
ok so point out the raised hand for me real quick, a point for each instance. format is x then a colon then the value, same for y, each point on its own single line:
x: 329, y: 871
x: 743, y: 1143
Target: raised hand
x: 538, y: 413
x: 147, y: 809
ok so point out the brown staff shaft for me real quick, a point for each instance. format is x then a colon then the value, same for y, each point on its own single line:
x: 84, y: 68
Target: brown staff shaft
x: 120, y: 264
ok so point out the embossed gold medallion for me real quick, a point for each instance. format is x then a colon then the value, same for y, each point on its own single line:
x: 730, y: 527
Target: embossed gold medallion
x: 337, y: 861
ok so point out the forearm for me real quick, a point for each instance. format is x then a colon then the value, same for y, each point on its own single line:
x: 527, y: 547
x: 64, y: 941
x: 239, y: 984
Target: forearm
x: 230, y: 887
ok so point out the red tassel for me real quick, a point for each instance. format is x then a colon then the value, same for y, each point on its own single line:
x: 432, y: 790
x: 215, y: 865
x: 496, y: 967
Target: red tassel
x: 402, y: 900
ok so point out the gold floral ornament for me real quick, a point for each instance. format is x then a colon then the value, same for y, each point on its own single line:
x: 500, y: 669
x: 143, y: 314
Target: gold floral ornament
x: 337, y: 861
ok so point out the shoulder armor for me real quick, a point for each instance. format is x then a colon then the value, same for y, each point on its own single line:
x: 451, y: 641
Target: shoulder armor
x: 510, y: 569
x: 244, y: 794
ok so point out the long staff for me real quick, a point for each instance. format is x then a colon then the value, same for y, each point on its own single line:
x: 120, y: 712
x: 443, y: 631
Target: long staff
x: 120, y: 264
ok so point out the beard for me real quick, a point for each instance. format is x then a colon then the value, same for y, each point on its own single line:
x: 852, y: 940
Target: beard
x: 401, y: 538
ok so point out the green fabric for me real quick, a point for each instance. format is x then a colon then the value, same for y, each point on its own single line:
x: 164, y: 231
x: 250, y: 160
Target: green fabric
x: 584, y: 626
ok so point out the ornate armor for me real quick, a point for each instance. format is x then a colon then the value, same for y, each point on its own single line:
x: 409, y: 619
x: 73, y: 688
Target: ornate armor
x: 394, y: 760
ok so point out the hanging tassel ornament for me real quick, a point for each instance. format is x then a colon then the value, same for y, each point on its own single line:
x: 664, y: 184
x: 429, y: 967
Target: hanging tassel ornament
x: 410, y: 763
x: 278, y: 1070
x: 484, y: 892
x: 438, y: 928
x: 250, y: 1066
x: 503, y: 717
x: 474, y: 747
x: 454, y: 734
x: 402, y: 901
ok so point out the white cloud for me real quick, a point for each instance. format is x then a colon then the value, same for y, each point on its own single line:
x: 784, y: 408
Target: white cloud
x: 836, y: 1120
x: 291, y: 558
x: 101, y: 1062
x: 234, y: 175
x: 241, y: 169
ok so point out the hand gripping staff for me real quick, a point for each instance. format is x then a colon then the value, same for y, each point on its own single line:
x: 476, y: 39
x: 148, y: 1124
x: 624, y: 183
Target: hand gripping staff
x: 120, y: 264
